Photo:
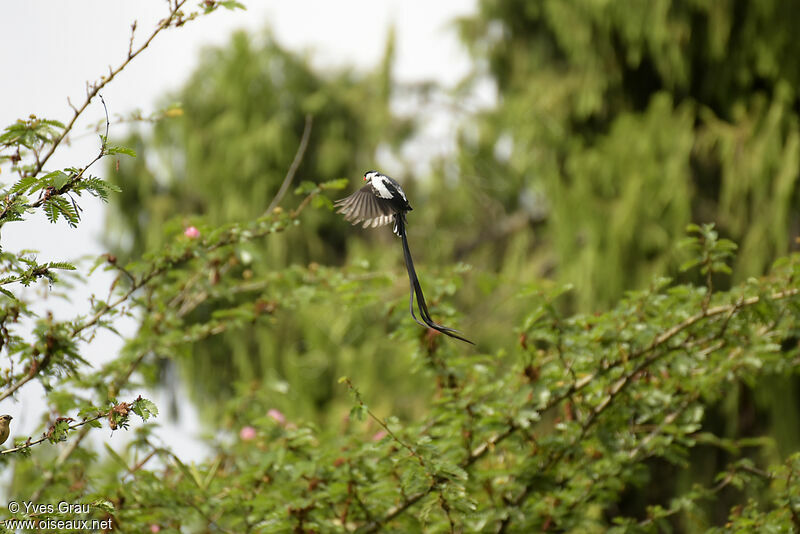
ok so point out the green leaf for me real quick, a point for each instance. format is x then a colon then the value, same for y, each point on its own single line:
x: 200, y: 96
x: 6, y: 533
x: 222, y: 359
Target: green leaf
x: 720, y: 267
x: 196, y: 476
x: 185, y: 470
x: 339, y: 183
x: 116, y: 457
x: 305, y: 188
x: 116, y: 149
x: 104, y: 505
x: 97, y: 187
x: 144, y: 408
x: 232, y: 4
x: 7, y: 293
x: 685, y: 266
x: 51, y: 122
x: 56, y: 179
x: 61, y: 265
x: 51, y: 211
x: 23, y: 185
x: 59, y: 430
x: 57, y: 205
x: 358, y: 412
x: 321, y: 201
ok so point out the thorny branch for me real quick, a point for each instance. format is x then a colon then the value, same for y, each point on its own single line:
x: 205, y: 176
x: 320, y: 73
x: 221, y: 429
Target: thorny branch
x: 46, y: 436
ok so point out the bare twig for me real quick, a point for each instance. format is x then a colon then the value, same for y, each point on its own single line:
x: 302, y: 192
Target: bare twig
x: 298, y: 157
x: 18, y: 384
x: 130, y: 43
x: 93, y: 89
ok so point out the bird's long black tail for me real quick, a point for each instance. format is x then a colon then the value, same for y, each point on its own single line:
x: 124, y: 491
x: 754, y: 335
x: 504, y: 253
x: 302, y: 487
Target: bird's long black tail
x: 416, y: 289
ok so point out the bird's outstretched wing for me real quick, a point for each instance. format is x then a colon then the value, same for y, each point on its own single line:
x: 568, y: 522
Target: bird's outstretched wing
x: 364, y: 206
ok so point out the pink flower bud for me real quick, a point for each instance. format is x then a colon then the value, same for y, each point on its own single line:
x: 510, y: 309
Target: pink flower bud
x: 277, y: 415
x: 379, y: 435
x: 247, y: 433
x: 191, y: 232
x: 154, y: 528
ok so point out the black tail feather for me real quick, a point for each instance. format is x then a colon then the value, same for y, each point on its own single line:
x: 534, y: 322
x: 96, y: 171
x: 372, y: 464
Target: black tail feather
x: 416, y: 288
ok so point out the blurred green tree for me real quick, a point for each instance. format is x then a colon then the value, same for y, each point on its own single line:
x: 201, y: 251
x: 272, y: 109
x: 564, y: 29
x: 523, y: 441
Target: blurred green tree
x: 624, y: 121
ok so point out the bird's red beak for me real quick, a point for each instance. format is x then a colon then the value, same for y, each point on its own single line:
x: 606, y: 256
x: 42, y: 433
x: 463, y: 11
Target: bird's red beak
x: 365, y: 177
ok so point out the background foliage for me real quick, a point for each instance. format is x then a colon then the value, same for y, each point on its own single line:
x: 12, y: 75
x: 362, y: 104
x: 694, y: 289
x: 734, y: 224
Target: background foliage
x: 633, y: 371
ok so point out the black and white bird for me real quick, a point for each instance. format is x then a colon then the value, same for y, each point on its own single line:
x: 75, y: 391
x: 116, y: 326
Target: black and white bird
x: 381, y: 202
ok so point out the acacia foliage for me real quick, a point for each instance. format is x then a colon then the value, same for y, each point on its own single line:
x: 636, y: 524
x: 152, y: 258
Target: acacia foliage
x: 553, y: 423
x: 553, y: 431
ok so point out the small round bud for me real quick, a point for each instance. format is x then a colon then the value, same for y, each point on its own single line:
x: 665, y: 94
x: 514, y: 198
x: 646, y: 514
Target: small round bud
x: 191, y: 232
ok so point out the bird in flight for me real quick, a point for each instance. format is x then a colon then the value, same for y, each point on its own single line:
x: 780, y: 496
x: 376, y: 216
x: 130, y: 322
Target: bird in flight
x: 381, y: 202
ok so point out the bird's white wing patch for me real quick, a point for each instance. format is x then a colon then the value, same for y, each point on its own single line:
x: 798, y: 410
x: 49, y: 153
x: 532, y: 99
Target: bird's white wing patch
x: 381, y: 189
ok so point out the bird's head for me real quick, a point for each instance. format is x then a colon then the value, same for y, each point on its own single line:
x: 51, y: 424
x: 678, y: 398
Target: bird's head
x: 370, y: 175
x: 4, y: 419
